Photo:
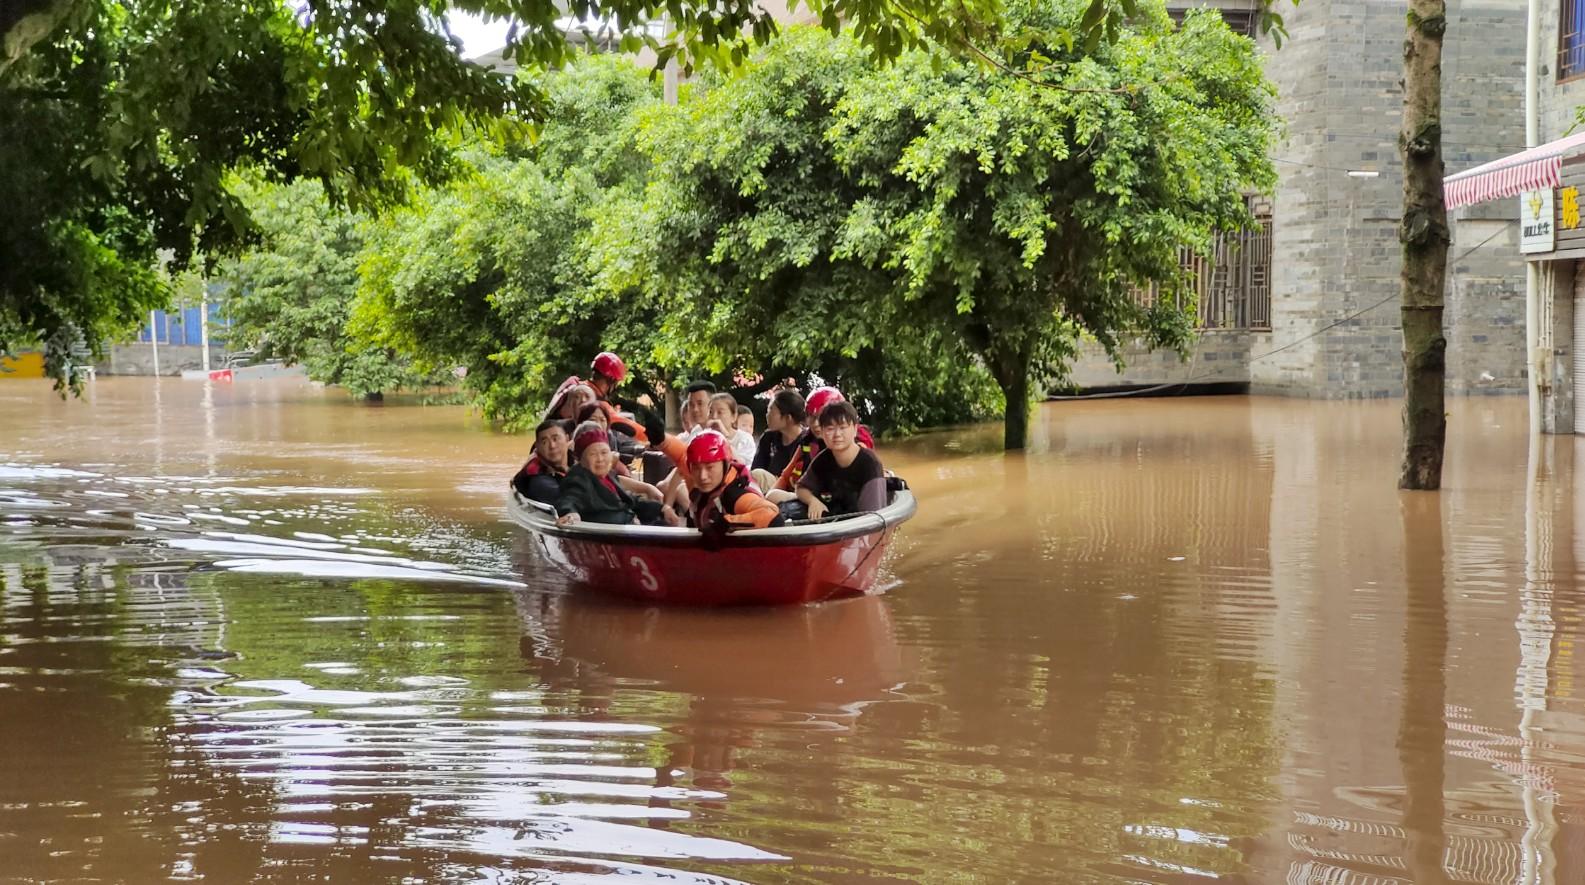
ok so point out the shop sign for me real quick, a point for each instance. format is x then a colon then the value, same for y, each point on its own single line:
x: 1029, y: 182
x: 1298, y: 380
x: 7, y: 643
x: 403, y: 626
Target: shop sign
x: 1536, y: 228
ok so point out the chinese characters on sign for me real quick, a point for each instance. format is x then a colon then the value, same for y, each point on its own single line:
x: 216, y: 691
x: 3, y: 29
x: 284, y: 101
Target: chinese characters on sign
x: 1568, y: 208
x: 1536, y: 233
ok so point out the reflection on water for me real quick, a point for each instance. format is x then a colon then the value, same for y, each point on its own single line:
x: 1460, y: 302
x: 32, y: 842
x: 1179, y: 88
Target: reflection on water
x: 261, y: 633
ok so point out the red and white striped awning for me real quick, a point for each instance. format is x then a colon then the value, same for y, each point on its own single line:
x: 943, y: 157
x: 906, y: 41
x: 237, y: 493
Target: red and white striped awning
x: 1533, y: 169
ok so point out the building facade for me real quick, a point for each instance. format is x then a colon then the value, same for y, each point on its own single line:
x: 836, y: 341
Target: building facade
x: 1560, y: 329
x: 1333, y: 320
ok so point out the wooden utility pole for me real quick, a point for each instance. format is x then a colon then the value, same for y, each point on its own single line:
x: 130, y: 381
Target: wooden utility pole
x: 1425, y: 238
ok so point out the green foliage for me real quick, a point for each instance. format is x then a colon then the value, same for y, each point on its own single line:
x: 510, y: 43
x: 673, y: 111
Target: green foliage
x: 290, y: 298
x: 150, y: 106
x: 910, y: 230
x: 493, y: 271
x: 525, y: 267
x: 819, y: 204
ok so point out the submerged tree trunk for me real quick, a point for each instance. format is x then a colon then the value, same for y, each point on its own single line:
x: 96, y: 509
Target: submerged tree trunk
x: 1424, y: 237
x: 1012, y: 375
x: 1016, y: 433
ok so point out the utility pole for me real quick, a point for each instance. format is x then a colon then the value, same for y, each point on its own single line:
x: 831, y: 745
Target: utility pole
x: 154, y: 341
x: 203, y: 327
x: 1532, y: 270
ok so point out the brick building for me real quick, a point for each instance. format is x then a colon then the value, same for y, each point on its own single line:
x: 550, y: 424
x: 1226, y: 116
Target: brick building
x: 1333, y: 269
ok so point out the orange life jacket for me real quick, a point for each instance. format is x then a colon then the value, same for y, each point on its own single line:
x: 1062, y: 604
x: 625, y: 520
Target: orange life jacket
x: 736, y: 499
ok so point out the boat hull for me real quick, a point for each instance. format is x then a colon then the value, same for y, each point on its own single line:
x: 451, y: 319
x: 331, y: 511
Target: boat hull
x: 758, y: 567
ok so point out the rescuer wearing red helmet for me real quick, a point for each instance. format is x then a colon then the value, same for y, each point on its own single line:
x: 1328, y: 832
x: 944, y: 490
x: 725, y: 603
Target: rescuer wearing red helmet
x: 721, y: 496
x: 605, y: 374
x: 818, y: 399
x: 608, y: 372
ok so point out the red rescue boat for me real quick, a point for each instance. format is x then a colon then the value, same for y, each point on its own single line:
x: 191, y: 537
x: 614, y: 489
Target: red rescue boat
x: 791, y: 565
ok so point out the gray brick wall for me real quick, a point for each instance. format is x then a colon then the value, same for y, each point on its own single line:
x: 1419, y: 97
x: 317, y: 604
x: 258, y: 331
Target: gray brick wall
x: 1335, y: 324
x: 1337, y: 251
x: 1337, y: 248
x: 1218, y: 357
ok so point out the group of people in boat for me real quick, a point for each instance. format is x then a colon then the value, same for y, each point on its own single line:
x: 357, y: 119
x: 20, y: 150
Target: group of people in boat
x: 814, y: 460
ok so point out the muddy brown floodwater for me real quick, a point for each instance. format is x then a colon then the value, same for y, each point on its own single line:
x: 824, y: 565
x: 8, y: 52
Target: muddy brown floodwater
x: 259, y: 633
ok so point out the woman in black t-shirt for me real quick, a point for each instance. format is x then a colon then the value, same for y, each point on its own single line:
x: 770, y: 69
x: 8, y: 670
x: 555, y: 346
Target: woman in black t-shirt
x: 846, y: 477
x: 785, y: 418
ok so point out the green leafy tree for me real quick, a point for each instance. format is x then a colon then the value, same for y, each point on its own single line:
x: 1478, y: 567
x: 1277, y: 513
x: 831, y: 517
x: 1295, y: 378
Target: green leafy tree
x: 819, y: 203
x: 494, y: 271
x: 150, y: 105
x: 290, y: 297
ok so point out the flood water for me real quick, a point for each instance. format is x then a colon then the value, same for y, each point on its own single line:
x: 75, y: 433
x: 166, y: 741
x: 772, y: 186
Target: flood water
x: 262, y: 633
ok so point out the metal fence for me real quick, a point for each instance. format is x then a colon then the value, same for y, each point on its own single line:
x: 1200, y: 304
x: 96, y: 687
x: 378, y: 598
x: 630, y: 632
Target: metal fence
x: 1231, y: 285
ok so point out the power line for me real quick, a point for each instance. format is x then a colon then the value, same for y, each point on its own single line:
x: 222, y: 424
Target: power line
x: 1309, y: 165
x: 1255, y: 359
x: 1393, y: 137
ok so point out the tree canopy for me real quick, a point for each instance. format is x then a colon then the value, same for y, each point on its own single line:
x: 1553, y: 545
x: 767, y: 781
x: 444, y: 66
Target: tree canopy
x: 533, y: 261
x: 291, y: 296
x: 151, y: 107
x: 491, y: 271
x: 818, y: 202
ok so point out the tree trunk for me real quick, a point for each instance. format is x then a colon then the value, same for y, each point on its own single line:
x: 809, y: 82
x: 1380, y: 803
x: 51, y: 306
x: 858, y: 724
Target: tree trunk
x: 1015, y: 434
x: 1011, y: 372
x: 673, y: 409
x: 1424, y: 237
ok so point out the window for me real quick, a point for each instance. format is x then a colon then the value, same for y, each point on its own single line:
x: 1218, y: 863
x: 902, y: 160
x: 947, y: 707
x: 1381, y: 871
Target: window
x: 1571, y: 40
x: 1240, y: 21
x: 1232, y: 285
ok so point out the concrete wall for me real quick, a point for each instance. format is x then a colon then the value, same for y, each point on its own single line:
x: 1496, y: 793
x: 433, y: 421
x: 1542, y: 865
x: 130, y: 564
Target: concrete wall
x: 1484, y: 320
x: 1219, y: 357
x: 137, y: 359
x: 1336, y: 236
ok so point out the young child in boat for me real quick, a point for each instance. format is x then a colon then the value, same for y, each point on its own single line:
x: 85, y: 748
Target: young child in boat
x: 592, y: 492
x: 720, y: 495
x: 540, y: 478
x: 846, y: 477
x: 723, y: 419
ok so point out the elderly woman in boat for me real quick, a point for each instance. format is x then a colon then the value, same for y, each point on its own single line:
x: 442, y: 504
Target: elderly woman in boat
x: 593, y: 491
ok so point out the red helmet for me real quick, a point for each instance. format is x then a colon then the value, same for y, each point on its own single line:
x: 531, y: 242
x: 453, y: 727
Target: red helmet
x: 707, y: 447
x: 819, y: 399
x: 611, y: 366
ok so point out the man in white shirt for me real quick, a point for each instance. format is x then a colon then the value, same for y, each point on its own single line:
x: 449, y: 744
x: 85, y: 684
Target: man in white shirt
x: 695, y: 408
